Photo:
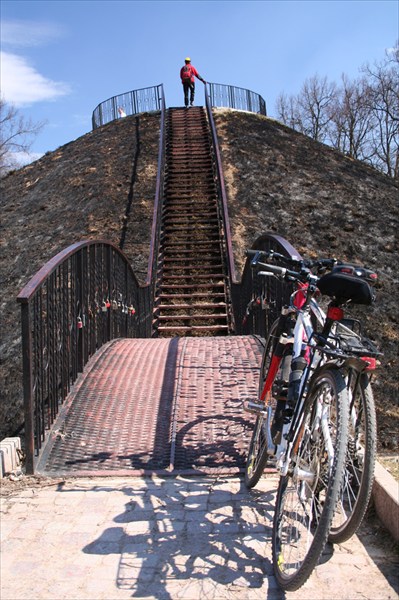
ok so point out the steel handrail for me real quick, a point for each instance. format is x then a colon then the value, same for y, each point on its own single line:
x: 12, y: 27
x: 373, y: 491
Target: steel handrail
x: 155, y: 230
x: 222, y: 189
x: 230, y: 96
x: 133, y: 102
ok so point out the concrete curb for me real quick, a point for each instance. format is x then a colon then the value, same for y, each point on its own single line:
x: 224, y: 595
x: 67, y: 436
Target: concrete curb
x: 385, y: 497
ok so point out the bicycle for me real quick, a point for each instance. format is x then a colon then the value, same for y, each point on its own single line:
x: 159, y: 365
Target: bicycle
x: 311, y: 417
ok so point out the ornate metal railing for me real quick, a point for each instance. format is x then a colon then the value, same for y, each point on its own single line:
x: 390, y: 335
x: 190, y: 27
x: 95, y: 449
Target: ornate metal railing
x: 263, y: 296
x: 129, y: 103
x: 229, y: 96
x: 82, y: 298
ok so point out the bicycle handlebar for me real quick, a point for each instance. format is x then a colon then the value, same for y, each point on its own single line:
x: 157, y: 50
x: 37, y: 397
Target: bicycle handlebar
x: 321, y: 264
x: 305, y: 269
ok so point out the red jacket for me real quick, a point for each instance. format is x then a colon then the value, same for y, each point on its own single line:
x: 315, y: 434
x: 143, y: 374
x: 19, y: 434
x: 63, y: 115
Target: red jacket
x: 188, y: 72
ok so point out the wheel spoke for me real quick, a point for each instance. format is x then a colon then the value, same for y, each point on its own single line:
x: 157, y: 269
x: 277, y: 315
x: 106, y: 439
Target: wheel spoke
x: 308, y: 494
x: 359, y: 463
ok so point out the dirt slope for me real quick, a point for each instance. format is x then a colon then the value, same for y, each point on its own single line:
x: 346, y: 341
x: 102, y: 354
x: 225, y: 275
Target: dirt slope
x: 93, y: 188
x: 102, y: 186
x: 324, y: 204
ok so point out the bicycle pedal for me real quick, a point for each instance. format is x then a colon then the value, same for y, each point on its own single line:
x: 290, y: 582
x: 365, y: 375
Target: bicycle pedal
x: 257, y: 408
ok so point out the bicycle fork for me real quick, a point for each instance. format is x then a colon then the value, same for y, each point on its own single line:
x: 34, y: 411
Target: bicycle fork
x: 263, y: 408
x: 319, y: 427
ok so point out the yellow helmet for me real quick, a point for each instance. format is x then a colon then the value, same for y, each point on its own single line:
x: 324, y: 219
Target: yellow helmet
x: 187, y: 59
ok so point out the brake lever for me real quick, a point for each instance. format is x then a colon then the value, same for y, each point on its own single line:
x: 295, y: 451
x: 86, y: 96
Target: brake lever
x: 255, y: 260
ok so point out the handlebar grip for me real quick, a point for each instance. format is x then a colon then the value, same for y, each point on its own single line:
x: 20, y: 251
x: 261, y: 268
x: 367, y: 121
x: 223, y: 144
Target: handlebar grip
x: 273, y: 269
x: 252, y: 253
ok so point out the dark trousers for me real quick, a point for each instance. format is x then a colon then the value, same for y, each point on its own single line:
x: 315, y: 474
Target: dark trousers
x: 189, y: 87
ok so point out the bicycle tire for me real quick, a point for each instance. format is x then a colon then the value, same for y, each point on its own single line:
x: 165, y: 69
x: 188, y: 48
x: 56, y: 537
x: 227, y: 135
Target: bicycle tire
x: 257, y: 453
x: 307, y: 495
x: 359, y: 466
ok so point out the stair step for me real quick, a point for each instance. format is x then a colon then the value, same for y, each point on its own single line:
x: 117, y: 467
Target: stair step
x: 200, y: 267
x: 180, y: 164
x: 205, y: 259
x: 193, y: 328
x: 191, y: 317
x: 196, y: 162
x: 195, y: 295
x: 201, y: 306
x: 169, y: 239
x: 186, y: 286
x: 184, y: 229
x: 178, y: 203
x: 208, y: 233
x: 191, y: 242
x: 194, y: 277
x: 187, y: 219
x: 184, y: 254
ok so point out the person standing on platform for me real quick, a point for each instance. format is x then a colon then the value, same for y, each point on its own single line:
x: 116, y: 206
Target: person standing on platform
x: 188, y: 73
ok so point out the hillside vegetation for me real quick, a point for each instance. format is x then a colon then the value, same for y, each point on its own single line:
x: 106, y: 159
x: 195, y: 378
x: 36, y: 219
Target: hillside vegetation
x: 102, y: 186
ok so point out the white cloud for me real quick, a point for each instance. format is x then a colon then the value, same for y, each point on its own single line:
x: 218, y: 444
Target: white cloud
x: 25, y: 158
x: 22, y: 34
x: 22, y: 84
x: 17, y: 160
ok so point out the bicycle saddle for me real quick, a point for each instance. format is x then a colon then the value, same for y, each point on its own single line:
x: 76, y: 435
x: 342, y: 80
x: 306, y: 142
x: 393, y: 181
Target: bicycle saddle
x: 345, y: 287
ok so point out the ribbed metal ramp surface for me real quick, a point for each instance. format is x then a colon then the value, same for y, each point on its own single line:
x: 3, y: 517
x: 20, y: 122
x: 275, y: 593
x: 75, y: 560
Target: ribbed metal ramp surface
x: 158, y: 405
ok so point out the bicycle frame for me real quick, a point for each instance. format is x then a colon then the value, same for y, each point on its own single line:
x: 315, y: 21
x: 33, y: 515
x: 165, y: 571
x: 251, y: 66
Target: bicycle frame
x: 307, y: 343
x: 304, y: 343
x: 307, y: 390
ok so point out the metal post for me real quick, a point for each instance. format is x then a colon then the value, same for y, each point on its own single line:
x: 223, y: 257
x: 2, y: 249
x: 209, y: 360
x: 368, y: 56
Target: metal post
x: 28, y: 387
x: 79, y: 332
x: 249, y: 101
x: 109, y: 282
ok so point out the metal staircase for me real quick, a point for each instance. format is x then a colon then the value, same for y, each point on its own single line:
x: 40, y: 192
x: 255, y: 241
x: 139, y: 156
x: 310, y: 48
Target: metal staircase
x: 192, y: 290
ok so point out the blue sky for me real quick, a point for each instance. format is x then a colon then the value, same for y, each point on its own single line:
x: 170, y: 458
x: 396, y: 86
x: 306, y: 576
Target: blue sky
x: 60, y: 59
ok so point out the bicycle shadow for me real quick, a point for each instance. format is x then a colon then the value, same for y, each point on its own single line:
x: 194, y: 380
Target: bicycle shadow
x: 178, y: 534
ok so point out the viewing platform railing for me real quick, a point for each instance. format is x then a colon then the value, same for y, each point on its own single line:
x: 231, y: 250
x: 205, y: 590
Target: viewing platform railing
x: 229, y: 96
x: 152, y: 98
x: 130, y: 103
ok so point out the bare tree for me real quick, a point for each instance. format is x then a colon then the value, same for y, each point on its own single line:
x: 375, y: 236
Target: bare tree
x: 309, y: 111
x: 314, y: 101
x: 288, y: 111
x: 350, y: 119
x: 16, y: 135
x: 360, y: 118
x: 383, y: 104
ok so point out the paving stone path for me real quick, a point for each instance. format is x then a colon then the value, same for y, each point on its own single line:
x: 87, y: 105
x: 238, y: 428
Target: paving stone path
x: 167, y: 538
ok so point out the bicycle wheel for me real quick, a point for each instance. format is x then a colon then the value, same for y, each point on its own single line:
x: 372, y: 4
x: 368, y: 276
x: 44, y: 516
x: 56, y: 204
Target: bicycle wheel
x: 307, y: 495
x: 360, y: 461
x: 257, y: 454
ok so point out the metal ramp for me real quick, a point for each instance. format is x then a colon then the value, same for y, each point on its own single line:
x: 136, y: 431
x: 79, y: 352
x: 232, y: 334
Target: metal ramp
x: 158, y: 406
